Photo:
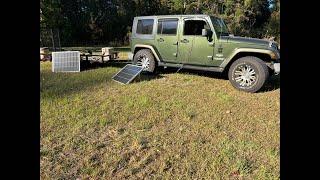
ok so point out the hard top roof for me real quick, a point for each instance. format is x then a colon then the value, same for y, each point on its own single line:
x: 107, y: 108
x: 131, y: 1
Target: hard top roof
x: 177, y: 15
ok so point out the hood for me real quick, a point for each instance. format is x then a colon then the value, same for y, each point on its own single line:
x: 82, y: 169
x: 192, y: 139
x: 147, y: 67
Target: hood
x: 238, y: 39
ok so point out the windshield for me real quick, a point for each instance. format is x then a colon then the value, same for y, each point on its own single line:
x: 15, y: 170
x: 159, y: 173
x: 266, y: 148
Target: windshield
x: 219, y: 26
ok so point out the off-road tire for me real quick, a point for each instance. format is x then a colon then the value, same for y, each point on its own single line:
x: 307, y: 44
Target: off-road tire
x: 259, y: 68
x: 146, y: 53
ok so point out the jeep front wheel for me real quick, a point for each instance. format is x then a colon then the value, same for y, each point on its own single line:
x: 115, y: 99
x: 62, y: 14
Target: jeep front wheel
x: 145, y: 58
x: 248, y: 74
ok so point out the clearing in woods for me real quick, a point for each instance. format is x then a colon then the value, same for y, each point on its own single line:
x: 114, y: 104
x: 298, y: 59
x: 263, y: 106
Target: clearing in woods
x: 173, y: 125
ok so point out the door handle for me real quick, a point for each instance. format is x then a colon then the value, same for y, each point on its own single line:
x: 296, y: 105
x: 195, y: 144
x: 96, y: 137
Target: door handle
x: 160, y: 40
x: 185, y: 41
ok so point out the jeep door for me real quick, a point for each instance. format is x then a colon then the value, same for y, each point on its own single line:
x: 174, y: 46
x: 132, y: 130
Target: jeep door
x: 193, y: 47
x: 167, y: 39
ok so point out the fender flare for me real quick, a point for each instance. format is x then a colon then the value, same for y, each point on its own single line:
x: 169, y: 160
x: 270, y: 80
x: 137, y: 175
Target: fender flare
x: 272, y: 54
x: 148, y: 47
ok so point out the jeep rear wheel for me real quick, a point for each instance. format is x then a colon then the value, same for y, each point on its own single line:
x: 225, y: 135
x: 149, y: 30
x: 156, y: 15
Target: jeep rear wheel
x: 248, y: 74
x: 145, y: 58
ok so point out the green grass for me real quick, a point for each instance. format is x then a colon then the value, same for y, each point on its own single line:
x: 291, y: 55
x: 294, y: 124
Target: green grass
x: 182, y: 125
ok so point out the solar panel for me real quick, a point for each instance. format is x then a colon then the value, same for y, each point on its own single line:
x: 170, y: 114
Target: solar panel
x: 127, y: 73
x: 66, y: 61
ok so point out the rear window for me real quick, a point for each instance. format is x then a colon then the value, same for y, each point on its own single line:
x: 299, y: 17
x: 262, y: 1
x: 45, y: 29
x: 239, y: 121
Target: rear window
x: 145, y: 26
x: 167, y: 26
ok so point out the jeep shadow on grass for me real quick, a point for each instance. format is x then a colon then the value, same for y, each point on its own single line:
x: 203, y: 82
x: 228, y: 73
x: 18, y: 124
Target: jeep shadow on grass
x: 271, y: 84
x: 202, y: 42
x: 144, y: 76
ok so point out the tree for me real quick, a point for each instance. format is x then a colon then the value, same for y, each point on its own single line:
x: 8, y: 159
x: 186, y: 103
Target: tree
x: 111, y: 20
x: 273, y: 26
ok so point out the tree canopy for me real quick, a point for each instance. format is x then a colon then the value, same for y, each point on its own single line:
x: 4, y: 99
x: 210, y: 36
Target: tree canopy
x: 111, y: 20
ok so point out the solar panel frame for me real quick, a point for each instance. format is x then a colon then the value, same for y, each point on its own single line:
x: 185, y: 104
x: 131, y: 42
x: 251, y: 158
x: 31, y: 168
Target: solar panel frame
x: 132, y: 75
x: 66, y: 61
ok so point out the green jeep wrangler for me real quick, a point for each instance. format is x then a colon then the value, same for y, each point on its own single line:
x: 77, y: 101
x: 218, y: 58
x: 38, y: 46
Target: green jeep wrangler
x: 202, y: 42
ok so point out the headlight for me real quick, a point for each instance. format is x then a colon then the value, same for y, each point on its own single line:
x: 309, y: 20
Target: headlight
x: 273, y: 45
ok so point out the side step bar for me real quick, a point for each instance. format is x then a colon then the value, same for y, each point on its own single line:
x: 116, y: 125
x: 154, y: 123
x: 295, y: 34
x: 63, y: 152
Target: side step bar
x: 187, y: 66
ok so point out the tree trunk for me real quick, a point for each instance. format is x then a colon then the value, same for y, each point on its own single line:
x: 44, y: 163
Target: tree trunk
x: 198, y: 6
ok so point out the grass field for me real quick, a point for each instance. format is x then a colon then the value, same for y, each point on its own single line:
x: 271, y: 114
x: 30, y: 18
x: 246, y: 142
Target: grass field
x: 186, y: 125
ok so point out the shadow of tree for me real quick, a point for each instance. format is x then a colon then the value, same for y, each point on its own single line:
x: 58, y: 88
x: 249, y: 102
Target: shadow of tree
x: 54, y: 85
x: 61, y: 84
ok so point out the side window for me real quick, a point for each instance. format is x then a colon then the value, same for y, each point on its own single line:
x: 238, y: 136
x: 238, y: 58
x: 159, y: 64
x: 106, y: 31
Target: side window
x: 145, y: 26
x: 167, y: 26
x: 194, y: 27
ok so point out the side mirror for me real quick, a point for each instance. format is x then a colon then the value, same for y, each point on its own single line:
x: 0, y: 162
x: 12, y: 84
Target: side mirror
x: 206, y: 32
